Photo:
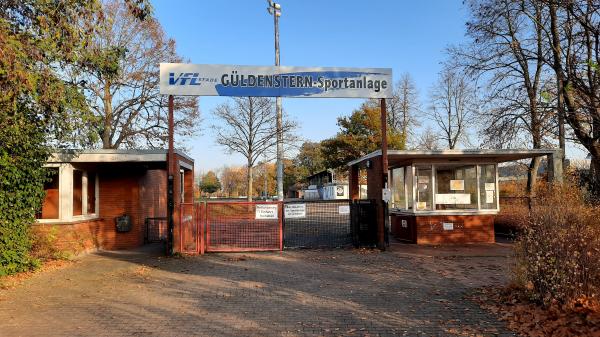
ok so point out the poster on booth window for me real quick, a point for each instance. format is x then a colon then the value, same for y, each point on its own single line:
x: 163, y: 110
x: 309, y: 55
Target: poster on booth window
x: 266, y: 212
x: 490, y: 186
x: 489, y: 197
x: 457, y: 185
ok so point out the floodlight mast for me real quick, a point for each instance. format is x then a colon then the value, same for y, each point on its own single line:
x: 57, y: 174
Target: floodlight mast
x: 275, y: 10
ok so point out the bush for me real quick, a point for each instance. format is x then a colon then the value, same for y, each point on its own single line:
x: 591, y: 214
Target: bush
x: 558, y: 251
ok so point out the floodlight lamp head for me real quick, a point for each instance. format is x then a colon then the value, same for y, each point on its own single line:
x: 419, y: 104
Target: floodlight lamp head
x: 277, y: 6
x: 278, y: 13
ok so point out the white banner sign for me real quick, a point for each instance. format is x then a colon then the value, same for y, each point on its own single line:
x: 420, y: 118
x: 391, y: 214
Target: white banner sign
x: 295, y: 211
x: 453, y: 199
x: 266, y: 212
x: 233, y: 80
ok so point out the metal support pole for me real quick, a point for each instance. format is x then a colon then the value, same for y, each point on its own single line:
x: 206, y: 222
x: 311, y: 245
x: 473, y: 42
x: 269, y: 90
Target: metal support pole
x: 384, y: 177
x: 279, y: 116
x: 170, y: 182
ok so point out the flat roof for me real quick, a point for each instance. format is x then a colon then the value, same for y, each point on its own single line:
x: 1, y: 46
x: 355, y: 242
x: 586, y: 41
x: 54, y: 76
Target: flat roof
x: 399, y: 157
x: 112, y: 156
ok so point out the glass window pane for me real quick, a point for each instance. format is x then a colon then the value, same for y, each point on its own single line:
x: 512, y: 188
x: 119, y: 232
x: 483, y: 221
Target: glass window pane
x: 456, y: 187
x: 487, y: 186
x: 50, y: 205
x: 423, y: 193
x: 398, y: 195
x: 409, y: 186
x: 77, y: 192
x: 91, y: 193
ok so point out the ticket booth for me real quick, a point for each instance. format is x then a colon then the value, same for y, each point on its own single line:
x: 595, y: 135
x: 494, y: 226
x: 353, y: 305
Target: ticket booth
x: 447, y: 196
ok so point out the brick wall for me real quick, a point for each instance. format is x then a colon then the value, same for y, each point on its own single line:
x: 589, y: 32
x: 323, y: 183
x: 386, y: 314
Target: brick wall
x: 124, y: 189
x: 429, y: 229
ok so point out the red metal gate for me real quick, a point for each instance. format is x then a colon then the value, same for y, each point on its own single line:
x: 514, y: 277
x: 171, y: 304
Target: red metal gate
x: 191, y: 228
x: 231, y: 227
x: 243, y: 226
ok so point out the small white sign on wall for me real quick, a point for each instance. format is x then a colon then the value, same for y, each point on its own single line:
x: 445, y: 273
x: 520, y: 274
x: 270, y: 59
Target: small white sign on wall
x: 404, y: 223
x: 448, y: 226
x: 386, y: 194
x: 490, y: 186
x: 344, y: 209
x: 295, y: 211
x: 266, y: 211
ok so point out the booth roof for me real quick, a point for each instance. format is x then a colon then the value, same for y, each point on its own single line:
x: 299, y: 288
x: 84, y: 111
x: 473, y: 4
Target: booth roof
x: 399, y: 157
x: 112, y: 156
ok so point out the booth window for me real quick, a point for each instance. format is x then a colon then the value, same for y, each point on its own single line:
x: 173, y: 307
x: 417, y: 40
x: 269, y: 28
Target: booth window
x: 487, y: 186
x: 456, y: 187
x: 398, y: 189
x: 77, y: 192
x: 50, y: 206
x: 424, y: 198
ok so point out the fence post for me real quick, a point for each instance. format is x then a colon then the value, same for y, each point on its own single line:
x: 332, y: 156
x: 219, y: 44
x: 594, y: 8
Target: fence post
x: 281, y: 226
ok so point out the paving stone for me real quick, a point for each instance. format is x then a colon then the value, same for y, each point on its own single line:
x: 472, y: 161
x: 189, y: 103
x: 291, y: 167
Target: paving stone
x: 405, y: 291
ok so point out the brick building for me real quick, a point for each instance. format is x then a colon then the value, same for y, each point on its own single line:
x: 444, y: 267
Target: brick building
x: 89, y: 190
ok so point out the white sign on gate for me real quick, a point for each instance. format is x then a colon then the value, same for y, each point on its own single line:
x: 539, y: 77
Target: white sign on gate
x: 295, y: 211
x: 269, y: 81
x: 344, y: 209
x: 266, y: 211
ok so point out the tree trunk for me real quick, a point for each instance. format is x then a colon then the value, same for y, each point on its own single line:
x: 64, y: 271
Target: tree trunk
x: 595, y: 174
x: 107, y: 130
x: 532, y: 174
x: 249, y: 182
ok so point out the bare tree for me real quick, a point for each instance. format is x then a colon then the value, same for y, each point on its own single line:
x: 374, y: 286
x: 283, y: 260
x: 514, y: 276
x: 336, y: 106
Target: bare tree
x: 404, y: 107
x: 249, y: 128
x: 453, y: 103
x: 427, y: 140
x: 123, y: 85
x: 507, y: 49
x: 575, y: 46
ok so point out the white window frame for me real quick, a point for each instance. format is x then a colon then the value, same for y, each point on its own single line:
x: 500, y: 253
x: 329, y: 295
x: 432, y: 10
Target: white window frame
x: 65, y: 196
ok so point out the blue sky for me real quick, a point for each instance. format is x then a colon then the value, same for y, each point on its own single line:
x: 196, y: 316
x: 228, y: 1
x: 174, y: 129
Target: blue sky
x: 407, y: 36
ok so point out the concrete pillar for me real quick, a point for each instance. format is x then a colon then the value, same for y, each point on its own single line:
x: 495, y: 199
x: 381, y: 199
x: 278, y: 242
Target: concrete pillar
x: 555, y: 166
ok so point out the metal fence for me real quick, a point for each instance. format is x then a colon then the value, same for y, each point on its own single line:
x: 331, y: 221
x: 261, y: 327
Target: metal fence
x: 156, y: 229
x: 243, y: 226
x: 317, y: 224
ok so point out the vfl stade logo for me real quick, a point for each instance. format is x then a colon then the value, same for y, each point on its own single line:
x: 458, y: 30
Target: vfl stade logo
x: 182, y: 79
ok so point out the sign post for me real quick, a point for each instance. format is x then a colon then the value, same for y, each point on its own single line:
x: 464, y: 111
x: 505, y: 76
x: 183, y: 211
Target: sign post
x: 384, y: 179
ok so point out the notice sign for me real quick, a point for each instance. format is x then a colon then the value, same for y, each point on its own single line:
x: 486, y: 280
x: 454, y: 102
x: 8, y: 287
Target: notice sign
x: 269, y: 81
x: 448, y: 226
x: 266, y: 211
x: 295, y: 211
x: 345, y: 209
x: 457, y: 185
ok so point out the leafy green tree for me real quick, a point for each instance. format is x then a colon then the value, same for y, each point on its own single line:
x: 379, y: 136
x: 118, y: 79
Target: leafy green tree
x: 39, y: 109
x: 209, y: 183
x: 360, y: 134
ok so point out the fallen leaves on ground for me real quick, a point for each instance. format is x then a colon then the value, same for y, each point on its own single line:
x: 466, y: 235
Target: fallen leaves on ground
x: 11, y: 281
x: 580, y: 318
